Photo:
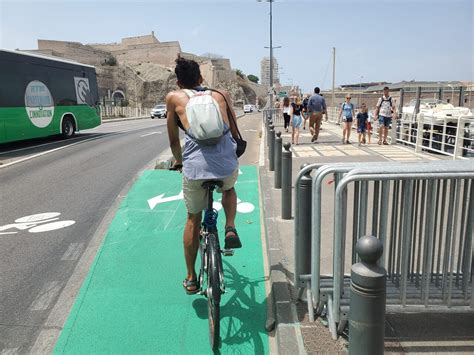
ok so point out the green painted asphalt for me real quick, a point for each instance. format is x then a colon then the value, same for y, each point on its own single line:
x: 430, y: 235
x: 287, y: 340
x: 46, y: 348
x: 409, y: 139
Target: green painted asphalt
x: 132, y: 300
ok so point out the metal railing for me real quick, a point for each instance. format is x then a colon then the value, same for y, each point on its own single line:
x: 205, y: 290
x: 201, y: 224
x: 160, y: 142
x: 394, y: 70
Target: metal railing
x: 117, y: 111
x: 448, y: 136
x: 422, y: 213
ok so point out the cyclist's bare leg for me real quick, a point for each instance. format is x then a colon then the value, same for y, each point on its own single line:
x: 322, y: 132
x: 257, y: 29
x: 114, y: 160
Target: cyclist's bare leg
x: 229, y: 202
x: 191, y: 243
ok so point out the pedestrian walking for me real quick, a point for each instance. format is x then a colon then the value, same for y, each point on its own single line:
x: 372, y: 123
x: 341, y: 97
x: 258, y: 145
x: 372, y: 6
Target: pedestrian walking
x: 347, y: 113
x: 305, y: 114
x: 384, y: 111
x: 296, y: 120
x: 362, y: 118
x: 316, y: 109
x: 286, y: 113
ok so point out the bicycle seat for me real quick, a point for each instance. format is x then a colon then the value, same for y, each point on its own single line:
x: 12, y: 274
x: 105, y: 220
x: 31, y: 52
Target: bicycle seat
x: 212, y: 184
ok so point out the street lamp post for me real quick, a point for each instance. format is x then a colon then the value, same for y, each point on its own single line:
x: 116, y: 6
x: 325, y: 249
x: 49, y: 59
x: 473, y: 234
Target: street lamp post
x: 271, y: 50
x: 360, y: 89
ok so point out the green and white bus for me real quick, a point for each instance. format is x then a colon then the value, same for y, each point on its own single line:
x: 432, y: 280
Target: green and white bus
x: 42, y: 96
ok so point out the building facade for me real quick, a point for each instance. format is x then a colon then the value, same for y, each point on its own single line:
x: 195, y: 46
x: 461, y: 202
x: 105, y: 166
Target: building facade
x: 265, y: 72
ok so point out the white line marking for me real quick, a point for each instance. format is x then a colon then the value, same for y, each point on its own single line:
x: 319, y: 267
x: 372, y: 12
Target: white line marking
x: 73, y: 252
x: 46, y: 296
x: 149, y: 134
x: 42, y: 145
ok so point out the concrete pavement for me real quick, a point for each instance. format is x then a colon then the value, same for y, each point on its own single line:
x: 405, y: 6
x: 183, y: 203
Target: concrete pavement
x: 441, y: 333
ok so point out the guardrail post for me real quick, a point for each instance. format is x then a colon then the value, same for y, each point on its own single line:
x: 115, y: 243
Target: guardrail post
x: 271, y: 150
x: 305, y: 188
x: 419, y: 133
x: 286, y: 167
x: 278, y: 147
x: 367, y: 302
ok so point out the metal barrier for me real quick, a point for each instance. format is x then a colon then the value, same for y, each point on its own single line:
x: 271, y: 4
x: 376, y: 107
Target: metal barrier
x: 273, y: 114
x: 127, y: 111
x: 423, y: 214
x: 449, y: 136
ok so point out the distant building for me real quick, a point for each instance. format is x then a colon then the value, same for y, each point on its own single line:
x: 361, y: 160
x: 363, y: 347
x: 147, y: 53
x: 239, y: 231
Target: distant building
x: 265, y: 71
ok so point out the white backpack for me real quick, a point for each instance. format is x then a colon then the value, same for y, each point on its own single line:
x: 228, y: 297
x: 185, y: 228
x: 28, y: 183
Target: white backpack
x: 206, y: 125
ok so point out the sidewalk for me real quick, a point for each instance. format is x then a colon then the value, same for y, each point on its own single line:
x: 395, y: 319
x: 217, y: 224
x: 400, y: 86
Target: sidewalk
x: 404, y: 333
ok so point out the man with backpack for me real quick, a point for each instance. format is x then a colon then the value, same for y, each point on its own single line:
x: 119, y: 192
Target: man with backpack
x: 210, y: 128
x: 384, y: 111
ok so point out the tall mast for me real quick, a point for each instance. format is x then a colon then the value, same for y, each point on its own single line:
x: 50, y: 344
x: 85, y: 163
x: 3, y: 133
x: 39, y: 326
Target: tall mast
x: 333, y: 76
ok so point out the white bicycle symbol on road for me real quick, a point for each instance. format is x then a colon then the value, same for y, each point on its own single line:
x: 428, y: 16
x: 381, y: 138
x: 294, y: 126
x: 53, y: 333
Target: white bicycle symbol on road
x: 37, y: 223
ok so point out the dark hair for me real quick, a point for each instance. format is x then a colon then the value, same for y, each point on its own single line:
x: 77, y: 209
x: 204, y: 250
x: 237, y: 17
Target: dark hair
x: 386, y: 88
x: 316, y: 90
x: 286, y: 101
x: 188, y: 72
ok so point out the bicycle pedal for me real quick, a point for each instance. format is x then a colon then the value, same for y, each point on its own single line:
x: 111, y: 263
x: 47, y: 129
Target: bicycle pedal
x: 228, y: 252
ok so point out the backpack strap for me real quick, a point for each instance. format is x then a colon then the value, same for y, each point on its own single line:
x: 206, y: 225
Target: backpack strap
x: 189, y: 93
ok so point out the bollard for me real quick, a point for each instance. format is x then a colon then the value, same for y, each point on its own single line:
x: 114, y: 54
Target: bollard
x: 269, y: 127
x: 303, y: 265
x: 286, y: 167
x: 278, y: 147
x: 271, y: 150
x: 367, y: 302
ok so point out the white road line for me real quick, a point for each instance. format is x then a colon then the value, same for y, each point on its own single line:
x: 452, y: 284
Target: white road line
x: 73, y: 252
x: 41, y: 145
x: 149, y: 134
x: 46, y: 152
x: 49, y: 291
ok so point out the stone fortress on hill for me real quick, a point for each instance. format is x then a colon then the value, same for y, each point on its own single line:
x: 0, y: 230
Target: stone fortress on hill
x: 139, y: 71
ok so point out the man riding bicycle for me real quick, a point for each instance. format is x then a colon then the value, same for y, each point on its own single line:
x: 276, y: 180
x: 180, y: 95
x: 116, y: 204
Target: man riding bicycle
x: 203, y: 158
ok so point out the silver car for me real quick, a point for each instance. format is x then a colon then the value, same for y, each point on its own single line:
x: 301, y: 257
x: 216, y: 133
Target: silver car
x: 159, y: 111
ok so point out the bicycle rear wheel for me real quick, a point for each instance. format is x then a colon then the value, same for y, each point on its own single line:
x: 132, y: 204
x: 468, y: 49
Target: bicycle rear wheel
x: 213, y: 292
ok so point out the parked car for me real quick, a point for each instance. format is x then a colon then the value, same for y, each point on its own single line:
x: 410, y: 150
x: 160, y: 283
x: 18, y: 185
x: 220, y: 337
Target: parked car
x: 248, y: 108
x: 159, y: 111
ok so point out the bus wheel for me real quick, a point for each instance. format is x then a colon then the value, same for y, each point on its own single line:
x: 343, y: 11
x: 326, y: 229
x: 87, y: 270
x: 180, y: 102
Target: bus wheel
x: 68, y: 128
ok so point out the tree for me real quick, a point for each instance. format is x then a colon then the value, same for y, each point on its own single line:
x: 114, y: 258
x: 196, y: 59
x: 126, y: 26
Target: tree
x: 239, y: 73
x: 253, y: 78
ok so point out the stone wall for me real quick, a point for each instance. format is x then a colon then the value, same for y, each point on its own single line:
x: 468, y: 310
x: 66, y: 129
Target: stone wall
x: 74, y: 51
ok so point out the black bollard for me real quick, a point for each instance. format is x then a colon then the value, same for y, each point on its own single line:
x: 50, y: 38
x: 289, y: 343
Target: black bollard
x: 271, y: 150
x: 270, y: 125
x: 286, y: 167
x: 304, y: 220
x: 367, y: 303
x: 278, y: 147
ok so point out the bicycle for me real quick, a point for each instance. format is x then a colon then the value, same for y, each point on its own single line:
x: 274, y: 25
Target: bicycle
x: 211, y: 272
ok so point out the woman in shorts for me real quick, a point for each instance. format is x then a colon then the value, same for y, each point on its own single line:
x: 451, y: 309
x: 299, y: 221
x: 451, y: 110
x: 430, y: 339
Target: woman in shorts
x: 296, y: 120
x: 347, y: 113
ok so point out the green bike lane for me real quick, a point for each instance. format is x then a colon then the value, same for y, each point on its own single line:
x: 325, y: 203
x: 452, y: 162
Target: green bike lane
x: 132, y: 300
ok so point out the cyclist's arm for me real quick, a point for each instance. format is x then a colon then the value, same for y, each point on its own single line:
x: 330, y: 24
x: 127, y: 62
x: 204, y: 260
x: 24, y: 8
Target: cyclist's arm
x: 173, y: 129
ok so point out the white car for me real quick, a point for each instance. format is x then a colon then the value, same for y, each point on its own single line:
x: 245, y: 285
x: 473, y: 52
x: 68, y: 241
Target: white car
x: 159, y: 111
x: 248, y: 108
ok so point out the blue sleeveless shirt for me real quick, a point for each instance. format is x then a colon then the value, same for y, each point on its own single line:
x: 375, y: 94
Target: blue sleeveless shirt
x: 209, y: 162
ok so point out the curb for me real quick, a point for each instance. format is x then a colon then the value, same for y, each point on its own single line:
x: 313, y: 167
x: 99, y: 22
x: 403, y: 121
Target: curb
x: 283, y: 316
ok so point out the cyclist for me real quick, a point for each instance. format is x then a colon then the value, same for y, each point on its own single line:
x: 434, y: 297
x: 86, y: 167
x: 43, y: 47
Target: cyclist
x: 202, y: 162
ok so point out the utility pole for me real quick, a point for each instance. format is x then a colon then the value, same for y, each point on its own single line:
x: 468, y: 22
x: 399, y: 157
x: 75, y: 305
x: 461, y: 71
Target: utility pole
x: 333, y: 76
x: 271, y: 54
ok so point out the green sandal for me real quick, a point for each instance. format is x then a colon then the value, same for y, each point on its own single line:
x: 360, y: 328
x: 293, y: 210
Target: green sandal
x: 191, y: 286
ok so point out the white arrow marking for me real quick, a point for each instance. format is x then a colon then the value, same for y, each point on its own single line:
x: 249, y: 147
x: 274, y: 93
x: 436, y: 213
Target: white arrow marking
x: 152, y: 202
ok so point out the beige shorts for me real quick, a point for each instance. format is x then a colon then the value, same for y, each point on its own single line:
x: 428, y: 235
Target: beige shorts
x: 195, y: 196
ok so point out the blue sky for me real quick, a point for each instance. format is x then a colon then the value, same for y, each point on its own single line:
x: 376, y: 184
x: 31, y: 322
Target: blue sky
x: 380, y: 40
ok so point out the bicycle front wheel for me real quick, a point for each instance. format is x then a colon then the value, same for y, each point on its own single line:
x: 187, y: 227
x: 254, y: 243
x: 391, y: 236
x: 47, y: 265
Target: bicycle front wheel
x: 213, y: 292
